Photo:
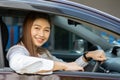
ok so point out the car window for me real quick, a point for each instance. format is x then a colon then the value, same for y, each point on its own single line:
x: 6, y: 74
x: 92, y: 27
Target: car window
x: 14, y: 26
x: 62, y: 40
x: 109, y: 37
x: 66, y: 41
x: 67, y: 38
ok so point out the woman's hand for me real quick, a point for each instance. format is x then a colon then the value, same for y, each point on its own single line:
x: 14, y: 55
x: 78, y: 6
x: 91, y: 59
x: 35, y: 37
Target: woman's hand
x: 98, y: 55
x: 72, y: 66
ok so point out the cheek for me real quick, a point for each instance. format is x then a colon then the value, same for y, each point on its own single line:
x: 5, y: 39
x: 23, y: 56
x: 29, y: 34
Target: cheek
x: 33, y: 32
x: 47, y: 35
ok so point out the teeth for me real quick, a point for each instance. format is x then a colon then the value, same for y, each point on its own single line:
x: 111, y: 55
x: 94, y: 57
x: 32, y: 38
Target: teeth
x: 37, y: 37
x: 40, y: 39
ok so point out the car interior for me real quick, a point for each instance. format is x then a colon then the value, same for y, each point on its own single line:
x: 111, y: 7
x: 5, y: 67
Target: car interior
x: 80, y: 30
x: 4, y: 34
x: 106, y: 67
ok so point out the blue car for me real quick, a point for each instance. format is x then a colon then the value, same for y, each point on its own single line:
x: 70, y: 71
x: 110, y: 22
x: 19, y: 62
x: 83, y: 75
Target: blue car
x: 76, y: 28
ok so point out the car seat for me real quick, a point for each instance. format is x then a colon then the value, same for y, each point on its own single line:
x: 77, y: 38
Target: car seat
x: 4, y: 35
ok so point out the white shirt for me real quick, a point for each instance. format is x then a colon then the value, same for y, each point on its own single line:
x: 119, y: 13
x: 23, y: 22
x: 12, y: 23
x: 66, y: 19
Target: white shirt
x: 20, y: 61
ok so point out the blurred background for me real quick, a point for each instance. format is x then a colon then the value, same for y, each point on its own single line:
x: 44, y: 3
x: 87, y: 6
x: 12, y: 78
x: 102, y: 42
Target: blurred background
x: 109, y: 6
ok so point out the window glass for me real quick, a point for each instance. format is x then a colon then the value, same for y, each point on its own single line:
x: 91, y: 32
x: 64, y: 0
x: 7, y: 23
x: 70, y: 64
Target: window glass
x: 14, y: 26
x: 60, y: 39
x: 67, y: 41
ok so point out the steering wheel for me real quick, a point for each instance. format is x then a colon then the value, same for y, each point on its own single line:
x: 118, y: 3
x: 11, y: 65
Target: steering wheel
x: 97, y: 63
x: 96, y: 66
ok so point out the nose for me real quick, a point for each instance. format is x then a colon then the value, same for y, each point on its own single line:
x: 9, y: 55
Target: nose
x: 41, y: 33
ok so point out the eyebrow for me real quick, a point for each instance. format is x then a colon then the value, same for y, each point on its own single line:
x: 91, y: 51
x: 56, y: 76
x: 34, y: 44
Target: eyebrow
x: 40, y: 26
x: 37, y: 25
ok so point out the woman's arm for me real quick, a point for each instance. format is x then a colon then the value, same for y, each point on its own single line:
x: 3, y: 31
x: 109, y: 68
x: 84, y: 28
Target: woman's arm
x: 76, y: 65
x: 21, y: 62
x: 66, y: 66
x: 98, y: 55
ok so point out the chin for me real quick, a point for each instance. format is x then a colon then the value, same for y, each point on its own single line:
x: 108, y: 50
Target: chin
x: 39, y: 45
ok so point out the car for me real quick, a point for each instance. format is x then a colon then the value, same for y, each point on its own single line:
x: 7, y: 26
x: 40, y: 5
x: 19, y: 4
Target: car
x: 76, y: 28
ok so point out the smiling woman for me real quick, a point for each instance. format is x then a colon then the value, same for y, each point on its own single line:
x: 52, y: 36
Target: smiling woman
x: 35, y: 29
x: 30, y: 55
x: 40, y: 31
x: 45, y: 48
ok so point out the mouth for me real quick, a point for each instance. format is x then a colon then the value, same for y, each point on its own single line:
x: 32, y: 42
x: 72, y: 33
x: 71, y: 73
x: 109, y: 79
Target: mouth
x: 39, y: 40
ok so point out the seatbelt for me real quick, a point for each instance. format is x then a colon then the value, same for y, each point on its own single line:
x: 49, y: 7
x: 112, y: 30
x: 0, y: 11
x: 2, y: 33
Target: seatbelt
x: 1, y: 50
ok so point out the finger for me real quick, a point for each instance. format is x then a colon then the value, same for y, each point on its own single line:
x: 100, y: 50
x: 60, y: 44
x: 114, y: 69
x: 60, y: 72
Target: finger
x: 103, y: 56
x: 81, y: 69
x: 101, y: 59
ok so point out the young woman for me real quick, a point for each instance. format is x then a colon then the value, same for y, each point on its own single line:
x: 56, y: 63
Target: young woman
x: 29, y: 57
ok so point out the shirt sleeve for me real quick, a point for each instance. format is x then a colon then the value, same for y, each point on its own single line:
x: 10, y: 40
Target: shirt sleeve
x: 22, y: 63
x: 81, y: 62
x: 56, y: 59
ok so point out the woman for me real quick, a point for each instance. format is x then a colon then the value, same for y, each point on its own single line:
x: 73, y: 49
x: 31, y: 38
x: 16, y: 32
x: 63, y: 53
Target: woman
x: 29, y: 57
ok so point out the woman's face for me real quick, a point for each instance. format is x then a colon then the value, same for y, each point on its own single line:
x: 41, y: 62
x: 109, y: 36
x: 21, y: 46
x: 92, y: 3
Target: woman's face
x: 40, y: 31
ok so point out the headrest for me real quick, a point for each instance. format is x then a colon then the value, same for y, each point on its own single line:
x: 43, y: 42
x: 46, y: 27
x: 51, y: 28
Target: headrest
x: 4, y: 32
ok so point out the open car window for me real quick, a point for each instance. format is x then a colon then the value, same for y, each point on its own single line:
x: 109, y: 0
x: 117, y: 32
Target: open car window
x: 67, y: 35
x: 77, y: 37
x: 59, y: 29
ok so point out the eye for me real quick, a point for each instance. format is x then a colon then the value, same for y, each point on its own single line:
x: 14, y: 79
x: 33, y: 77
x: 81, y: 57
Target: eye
x: 37, y: 28
x: 47, y: 30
